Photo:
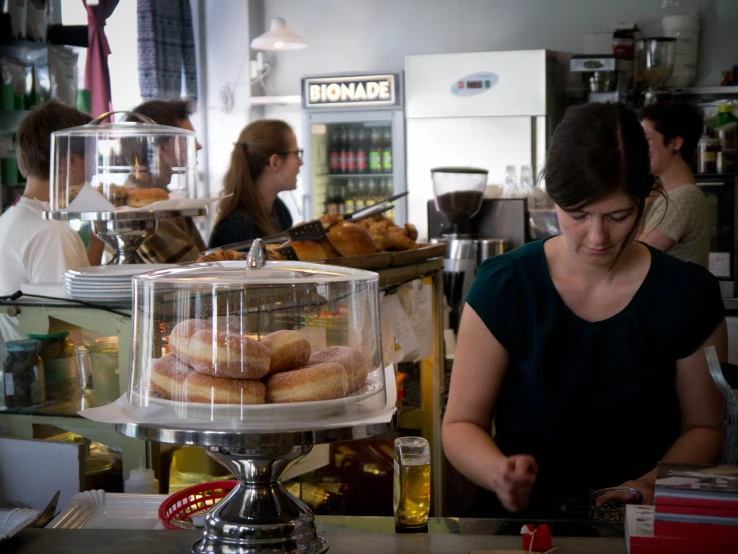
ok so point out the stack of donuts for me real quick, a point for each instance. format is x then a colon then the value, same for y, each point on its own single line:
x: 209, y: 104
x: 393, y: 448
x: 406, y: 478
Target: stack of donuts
x: 211, y: 365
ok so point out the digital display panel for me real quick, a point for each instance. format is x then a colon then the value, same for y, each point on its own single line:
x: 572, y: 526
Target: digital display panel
x: 474, y: 84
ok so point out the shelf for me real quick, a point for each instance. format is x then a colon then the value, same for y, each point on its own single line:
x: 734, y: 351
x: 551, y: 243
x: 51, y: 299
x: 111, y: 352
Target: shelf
x: 26, y: 50
x: 356, y: 175
x: 703, y: 91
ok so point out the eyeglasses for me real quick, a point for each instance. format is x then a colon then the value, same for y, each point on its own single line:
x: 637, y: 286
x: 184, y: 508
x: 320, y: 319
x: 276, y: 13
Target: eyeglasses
x: 297, y: 153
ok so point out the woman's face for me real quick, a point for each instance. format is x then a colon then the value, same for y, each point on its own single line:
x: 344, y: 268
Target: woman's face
x: 290, y: 165
x: 597, y: 232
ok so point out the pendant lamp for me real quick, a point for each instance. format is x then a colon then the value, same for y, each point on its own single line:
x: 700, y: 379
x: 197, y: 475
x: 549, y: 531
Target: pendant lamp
x: 278, y: 37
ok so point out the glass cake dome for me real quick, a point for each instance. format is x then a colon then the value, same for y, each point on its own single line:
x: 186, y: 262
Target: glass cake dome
x: 256, y: 347
x: 127, y: 164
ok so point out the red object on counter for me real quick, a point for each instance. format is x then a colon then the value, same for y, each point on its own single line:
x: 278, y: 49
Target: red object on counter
x: 536, y: 538
x: 180, y: 506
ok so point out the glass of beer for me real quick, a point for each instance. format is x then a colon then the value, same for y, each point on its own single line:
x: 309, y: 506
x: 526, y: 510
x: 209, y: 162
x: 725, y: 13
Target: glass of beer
x: 411, y: 490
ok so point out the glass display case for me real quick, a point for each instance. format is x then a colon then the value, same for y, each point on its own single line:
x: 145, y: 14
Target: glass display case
x: 123, y: 177
x: 247, y: 347
x: 127, y: 164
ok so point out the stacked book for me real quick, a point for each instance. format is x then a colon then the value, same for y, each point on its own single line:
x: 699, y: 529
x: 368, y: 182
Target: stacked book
x: 695, y: 511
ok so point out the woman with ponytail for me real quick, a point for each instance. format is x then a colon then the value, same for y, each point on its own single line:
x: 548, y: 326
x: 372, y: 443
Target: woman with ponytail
x: 265, y: 161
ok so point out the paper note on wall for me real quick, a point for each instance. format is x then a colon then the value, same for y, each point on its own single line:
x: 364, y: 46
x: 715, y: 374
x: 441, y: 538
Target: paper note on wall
x: 421, y: 318
x: 402, y: 326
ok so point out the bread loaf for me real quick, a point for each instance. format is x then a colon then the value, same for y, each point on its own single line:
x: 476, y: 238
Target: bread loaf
x: 307, y: 250
x: 138, y: 198
x: 350, y: 239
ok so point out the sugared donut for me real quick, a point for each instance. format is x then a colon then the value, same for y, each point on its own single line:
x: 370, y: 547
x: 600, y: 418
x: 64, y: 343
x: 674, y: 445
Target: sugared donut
x: 227, y: 355
x: 203, y: 389
x: 167, y: 377
x: 287, y: 350
x: 179, y: 338
x: 320, y: 382
x: 350, y: 359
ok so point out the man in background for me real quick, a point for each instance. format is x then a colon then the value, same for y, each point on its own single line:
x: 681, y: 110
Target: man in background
x: 176, y: 239
x: 35, y: 250
x: 679, y: 221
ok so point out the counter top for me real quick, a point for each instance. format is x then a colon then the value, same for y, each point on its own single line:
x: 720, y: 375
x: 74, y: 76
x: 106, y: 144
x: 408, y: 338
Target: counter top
x: 342, y: 540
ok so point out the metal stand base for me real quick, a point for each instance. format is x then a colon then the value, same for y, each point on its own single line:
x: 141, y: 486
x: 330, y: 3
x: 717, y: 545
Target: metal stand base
x: 125, y: 237
x: 259, y: 515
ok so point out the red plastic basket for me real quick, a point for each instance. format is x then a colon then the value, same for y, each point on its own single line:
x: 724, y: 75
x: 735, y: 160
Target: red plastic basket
x: 181, y: 506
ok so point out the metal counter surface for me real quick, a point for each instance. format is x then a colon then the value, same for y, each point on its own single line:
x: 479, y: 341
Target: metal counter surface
x: 342, y: 541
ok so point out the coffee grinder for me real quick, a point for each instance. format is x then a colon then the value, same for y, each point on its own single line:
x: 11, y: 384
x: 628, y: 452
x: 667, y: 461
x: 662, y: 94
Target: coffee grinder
x: 458, y: 194
x: 656, y: 64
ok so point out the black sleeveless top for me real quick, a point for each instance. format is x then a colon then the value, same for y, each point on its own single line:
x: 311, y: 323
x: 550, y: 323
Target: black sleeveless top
x: 594, y: 403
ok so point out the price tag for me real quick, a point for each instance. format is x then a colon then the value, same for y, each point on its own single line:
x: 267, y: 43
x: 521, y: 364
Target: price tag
x: 401, y: 324
x: 719, y: 264
x: 421, y: 319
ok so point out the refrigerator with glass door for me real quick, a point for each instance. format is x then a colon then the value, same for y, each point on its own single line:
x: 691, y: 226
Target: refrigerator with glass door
x: 354, y: 142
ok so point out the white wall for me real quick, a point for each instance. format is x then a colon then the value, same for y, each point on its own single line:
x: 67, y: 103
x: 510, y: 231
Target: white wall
x: 346, y: 35
x: 226, y: 72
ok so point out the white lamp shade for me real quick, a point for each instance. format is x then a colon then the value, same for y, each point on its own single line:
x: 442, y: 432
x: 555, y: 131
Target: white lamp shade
x: 278, y: 37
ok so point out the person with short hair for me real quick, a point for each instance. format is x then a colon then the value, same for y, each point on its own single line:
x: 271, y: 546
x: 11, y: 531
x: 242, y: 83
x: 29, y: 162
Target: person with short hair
x: 176, y: 239
x: 679, y: 221
x: 265, y: 161
x: 585, y: 349
x: 35, y: 250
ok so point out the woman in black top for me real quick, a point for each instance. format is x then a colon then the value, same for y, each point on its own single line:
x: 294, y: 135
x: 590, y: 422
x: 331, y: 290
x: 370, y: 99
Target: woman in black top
x: 586, y: 348
x: 265, y: 161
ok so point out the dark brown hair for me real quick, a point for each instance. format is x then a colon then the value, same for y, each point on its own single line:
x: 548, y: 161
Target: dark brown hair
x: 163, y: 112
x: 33, y: 139
x: 256, y: 144
x: 676, y: 119
x: 597, y: 150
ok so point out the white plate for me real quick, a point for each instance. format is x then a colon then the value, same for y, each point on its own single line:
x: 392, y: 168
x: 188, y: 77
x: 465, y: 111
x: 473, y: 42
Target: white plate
x: 101, y: 298
x: 13, y: 521
x: 115, y: 271
x: 98, y: 289
x: 280, y: 411
x: 79, y: 281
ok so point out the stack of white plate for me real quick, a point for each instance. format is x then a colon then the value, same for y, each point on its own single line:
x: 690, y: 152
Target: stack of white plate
x: 105, y: 283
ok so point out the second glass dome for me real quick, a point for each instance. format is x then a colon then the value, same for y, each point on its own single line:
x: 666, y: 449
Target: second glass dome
x: 129, y: 164
x: 287, y: 342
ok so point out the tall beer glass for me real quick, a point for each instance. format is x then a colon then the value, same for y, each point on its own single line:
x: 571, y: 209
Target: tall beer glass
x: 411, y: 489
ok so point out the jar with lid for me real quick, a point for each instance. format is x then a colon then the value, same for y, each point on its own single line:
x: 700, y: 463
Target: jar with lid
x: 23, y: 375
x: 707, y: 150
x: 60, y: 367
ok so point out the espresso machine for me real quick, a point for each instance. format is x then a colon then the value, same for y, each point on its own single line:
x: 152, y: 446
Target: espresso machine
x: 458, y: 193
x: 607, y: 77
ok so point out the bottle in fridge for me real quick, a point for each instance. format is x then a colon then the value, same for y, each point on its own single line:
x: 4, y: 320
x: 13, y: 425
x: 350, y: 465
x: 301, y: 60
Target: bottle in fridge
x: 353, y: 129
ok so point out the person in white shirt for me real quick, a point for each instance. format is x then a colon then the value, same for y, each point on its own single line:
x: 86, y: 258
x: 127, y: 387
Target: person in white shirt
x: 33, y: 249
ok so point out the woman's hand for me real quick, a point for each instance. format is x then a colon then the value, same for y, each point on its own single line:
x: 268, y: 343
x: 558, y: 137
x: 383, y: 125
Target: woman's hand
x: 513, y: 479
x: 644, y: 486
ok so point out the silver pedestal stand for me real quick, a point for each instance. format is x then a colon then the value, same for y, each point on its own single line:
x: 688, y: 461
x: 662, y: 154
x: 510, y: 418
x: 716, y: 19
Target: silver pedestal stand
x: 259, y: 515
x: 124, y: 230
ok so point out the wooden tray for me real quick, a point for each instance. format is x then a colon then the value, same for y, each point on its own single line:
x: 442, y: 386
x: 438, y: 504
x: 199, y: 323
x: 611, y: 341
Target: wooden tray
x: 388, y: 259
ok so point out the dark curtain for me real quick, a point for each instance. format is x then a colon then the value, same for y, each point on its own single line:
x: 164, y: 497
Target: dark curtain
x: 166, y: 49
x: 97, y: 73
